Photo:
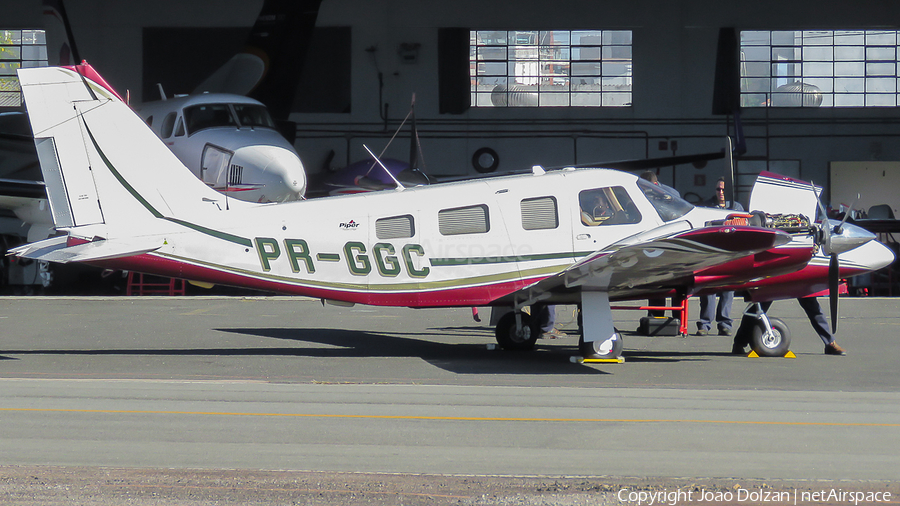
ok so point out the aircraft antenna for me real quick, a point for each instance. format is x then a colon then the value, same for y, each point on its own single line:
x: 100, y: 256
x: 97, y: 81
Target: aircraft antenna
x: 389, y: 142
x: 400, y: 186
x: 413, y: 137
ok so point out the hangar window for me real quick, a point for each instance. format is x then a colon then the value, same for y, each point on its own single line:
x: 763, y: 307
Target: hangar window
x: 819, y: 68
x: 19, y: 49
x: 539, y: 213
x: 550, y: 68
x: 395, y: 227
x: 464, y: 220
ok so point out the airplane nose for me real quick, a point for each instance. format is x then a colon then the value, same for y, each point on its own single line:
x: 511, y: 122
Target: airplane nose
x: 851, y: 236
x: 871, y: 256
x: 279, y: 169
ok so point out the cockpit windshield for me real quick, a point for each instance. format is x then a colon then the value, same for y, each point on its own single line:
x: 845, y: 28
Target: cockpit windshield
x: 669, y: 206
x: 251, y: 115
x: 203, y: 116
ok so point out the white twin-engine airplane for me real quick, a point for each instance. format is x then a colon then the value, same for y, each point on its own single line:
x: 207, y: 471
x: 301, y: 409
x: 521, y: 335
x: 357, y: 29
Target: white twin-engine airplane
x: 575, y: 236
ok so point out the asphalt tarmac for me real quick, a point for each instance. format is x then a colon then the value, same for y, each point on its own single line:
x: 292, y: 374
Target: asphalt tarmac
x: 285, y: 385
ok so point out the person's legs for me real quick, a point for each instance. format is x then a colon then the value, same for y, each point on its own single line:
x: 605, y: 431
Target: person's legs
x: 816, y: 318
x: 550, y: 320
x: 707, y: 302
x: 742, y: 336
x: 723, y: 312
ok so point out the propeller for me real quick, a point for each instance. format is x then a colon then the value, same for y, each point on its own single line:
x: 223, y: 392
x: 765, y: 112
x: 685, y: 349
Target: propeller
x: 828, y: 248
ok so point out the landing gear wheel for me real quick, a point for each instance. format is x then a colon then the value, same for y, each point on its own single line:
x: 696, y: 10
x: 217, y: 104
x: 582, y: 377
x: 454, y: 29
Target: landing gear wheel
x: 509, y: 339
x: 605, y: 349
x: 774, y: 344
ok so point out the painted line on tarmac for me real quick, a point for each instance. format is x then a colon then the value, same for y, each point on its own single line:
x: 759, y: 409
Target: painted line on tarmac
x: 448, y: 418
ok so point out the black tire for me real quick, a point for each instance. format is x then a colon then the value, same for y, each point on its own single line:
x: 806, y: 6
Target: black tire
x: 509, y: 339
x: 775, y: 345
x: 610, y: 348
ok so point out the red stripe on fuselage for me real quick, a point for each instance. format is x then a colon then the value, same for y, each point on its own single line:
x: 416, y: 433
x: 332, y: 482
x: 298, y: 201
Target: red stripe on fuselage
x: 450, y: 297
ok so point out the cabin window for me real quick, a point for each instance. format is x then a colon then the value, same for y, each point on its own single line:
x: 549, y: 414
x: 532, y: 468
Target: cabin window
x: 539, y: 213
x: 464, y: 220
x: 199, y: 117
x: 607, y: 206
x: 395, y: 227
x: 668, y: 206
x: 179, y: 131
x: 168, y: 125
x: 252, y: 115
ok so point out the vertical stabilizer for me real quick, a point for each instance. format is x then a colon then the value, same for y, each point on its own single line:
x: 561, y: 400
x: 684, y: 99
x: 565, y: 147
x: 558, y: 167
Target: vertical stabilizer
x: 101, y: 163
x: 269, y: 67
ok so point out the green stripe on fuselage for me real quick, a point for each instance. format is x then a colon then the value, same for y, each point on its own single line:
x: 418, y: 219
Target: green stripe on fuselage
x: 156, y: 214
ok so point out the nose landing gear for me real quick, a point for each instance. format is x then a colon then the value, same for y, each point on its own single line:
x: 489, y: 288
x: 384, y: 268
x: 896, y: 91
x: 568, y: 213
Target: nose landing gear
x: 768, y: 337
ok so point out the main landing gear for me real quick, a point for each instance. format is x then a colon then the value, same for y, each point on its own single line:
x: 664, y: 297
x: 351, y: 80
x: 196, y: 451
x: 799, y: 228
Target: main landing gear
x: 609, y: 348
x: 768, y: 337
x: 522, y: 335
x: 517, y: 331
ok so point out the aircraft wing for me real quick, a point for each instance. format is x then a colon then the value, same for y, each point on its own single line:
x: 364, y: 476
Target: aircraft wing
x: 654, y: 261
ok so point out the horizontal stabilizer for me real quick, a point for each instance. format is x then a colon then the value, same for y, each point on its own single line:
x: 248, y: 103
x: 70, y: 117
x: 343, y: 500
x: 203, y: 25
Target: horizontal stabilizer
x: 36, y: 249
x: 55, y: 250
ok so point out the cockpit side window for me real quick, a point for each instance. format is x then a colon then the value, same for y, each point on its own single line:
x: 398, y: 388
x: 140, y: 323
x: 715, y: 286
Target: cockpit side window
x: 203, y: 116
x: 668, y: 206
x: 168, y: 125
x: 607, y: 206
x: 179, y: 130
x: 252, y: 115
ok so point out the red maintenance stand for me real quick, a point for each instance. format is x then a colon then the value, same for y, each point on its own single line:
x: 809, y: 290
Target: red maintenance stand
x: 679, y: 308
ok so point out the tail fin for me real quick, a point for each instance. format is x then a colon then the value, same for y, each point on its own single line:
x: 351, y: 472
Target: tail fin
x: 61, y: 49
x: 269, y: 67
x: 102, y: 165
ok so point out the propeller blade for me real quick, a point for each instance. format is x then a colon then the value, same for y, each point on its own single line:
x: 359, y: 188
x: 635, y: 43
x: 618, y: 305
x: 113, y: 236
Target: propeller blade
x: 833, y: 274
x: 839, y: 229
x: 825, y: 227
